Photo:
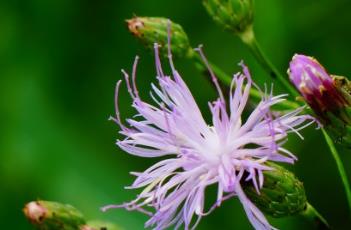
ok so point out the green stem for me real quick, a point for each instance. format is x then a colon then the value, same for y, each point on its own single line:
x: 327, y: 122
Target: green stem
x: 248, y: 37
x: 226, y: 80
x: 340, y: 166
x: 311, y: 214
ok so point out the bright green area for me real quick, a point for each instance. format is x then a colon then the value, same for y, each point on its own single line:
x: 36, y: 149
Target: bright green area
x: 60, y: 60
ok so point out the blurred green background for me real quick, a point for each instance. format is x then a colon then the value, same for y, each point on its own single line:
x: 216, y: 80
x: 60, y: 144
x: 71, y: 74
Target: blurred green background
x: 60, y: 60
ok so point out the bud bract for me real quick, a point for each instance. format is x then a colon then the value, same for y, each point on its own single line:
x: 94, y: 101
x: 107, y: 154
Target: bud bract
x: 233, y: 15
x: 150, y: 30
x: 282, y: 193
x: 47, y: 215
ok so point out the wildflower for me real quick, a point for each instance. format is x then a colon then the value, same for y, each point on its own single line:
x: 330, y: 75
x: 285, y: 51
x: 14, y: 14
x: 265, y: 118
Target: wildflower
x: 225, y: 153
x: 327, y: 95
x: 315, y: 85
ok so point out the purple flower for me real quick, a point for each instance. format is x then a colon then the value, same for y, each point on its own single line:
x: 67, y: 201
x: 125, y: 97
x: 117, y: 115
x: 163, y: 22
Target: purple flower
x: 196, y: 154
x: 316, y: 86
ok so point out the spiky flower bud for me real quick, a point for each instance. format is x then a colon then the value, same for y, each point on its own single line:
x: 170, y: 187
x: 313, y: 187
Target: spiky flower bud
x: 233, y: 15
x: 151, y: 30
x: 282, y: 193
x: 47, y: 215
x: 328, y: 96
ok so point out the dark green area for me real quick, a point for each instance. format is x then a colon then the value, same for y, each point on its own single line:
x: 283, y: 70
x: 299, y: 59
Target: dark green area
x: 60, y: 60
x: 282, y: 193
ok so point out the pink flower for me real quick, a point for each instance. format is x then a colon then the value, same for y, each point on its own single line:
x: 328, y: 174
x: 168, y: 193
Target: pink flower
x: 317, y: 87
x: 197, y: 154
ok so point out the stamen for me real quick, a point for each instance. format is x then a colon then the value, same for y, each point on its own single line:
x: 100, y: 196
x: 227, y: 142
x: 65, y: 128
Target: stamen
x: 129, y: 88
x: 134, y: 76
x: 118, y: 118
x: 169, y: 46
x: 158, y: 61
x: 213, y: 76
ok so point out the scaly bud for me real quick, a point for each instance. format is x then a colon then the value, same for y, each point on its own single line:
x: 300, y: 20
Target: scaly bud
x: 150, y: 30
x: 233, y: 15
x: 282, y: 193
x: 328, y: 96
x: 47, y: 215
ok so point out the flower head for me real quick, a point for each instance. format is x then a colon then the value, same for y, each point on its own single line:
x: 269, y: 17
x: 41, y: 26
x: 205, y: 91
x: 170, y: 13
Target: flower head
x: 197, y: 154
x: 329, y: 96
x: 316, y: 86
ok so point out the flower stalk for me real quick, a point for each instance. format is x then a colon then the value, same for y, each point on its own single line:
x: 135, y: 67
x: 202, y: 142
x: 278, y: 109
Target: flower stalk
x: 340, y: 167
x: 237, y: 16
x: 249, y: 39
x: 311, y: 214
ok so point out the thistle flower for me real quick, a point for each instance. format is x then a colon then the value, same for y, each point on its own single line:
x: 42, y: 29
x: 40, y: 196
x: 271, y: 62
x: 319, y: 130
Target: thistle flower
x: 328, y: 96
x: 224, y: 153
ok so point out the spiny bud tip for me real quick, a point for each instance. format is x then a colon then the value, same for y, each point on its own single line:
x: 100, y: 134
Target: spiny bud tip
x: 151, y: 30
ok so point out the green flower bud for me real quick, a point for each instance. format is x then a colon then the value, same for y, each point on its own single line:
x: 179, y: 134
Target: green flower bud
x: 150, y: 30
x: 233, y: 15
x: 282, y: 193
x: 47, y: 215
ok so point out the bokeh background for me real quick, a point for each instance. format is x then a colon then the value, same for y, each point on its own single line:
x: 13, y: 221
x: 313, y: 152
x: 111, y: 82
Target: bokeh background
x: 60, y: 60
